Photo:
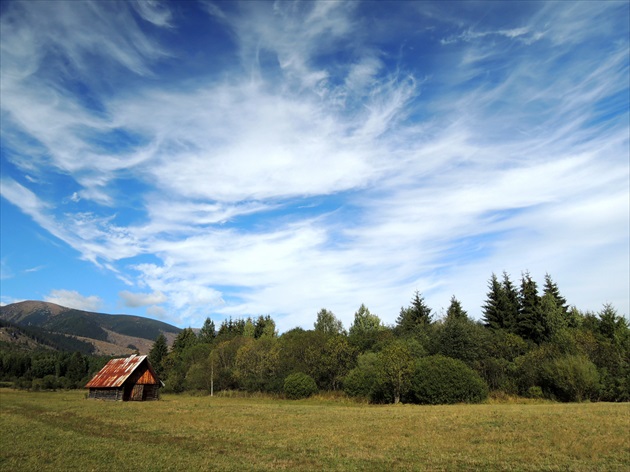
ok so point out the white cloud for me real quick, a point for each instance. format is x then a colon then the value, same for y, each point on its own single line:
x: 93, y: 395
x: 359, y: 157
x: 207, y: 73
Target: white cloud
x: 73, y: 299
x: 154, y: 11
x: 6, y: 300
x: 135, y: 300
x: 522, y: 34
x: 511, y: 155
x: 156, y: 311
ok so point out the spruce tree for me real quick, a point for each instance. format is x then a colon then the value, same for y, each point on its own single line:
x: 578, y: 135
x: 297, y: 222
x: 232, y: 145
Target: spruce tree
x: 207, y: 333
x: 158, y: 352
x: 612, y: 325
x: 492, y: 310
x: 530, y: 323
x: 260, y: 326
x: 416, y: 316
x: 185, y: 339
x: 509, y: 304
x: 455, y: 310
x: 552, y: 289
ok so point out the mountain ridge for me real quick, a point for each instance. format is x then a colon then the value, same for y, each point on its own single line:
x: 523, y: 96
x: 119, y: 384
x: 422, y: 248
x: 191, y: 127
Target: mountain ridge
x: 110, y: 334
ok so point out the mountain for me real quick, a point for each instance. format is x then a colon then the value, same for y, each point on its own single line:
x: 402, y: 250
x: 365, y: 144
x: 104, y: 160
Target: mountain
x: 108, y: 334
x: 31, y: 338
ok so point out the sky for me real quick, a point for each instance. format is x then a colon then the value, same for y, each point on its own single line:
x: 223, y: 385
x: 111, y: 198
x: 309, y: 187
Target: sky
x: 193, y: 159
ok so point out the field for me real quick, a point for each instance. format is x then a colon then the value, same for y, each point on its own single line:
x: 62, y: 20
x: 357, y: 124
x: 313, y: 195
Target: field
x: 62, y: 431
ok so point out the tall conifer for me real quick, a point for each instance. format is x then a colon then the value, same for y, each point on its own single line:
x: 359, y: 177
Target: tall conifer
x: 530, y: 323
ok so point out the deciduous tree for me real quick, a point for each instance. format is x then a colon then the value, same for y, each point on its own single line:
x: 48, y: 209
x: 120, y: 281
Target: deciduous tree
x: 328, y: 323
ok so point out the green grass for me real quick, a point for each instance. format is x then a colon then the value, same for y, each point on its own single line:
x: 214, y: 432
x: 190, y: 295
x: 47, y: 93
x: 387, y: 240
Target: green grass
x: 63, y: 431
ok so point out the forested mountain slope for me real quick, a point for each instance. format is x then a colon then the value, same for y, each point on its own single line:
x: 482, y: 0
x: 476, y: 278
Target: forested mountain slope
x: 107, y: 333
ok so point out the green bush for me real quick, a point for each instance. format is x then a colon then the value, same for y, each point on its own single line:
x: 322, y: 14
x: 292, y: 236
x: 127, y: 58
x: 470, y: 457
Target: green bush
x: 570, y: 378
x: 23, y: 383
x: 37, y: 385
x: 439, y: 380
x: 49, y: 382
x: 358, y: 383
x: 299, y: 385
x: 361, y: 380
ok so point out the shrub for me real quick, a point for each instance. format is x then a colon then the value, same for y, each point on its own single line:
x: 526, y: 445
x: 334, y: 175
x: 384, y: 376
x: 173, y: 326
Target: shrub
x: 66, y: 383
x: 440, y: 379
x: 358, y: 383
x: 570, y: 378
x: 299, y: 385
x: 49, y: 382
x: 23, y: 383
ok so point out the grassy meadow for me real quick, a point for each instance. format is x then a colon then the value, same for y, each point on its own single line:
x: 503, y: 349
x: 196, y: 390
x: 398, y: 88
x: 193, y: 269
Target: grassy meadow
x: 63, y: 431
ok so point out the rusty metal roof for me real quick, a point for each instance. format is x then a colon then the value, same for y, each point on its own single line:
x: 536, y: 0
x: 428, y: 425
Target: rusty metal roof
x: 117, y: 371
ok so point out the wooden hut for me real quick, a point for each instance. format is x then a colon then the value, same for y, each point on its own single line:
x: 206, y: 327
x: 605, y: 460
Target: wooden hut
x: 126, y: 379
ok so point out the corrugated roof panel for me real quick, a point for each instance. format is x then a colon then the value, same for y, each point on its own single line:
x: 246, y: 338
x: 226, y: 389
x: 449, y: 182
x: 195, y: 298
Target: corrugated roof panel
x: 115, y: 372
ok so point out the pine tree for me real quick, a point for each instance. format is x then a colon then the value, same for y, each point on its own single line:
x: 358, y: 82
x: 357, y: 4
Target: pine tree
x: 455, y: 310
x: 509, y: 304
x: 158, y: 352
x: 492, y: 311
x: 530, y: 323
x: 77, y: 367
x: 416, y: 316
x: 185, y: 339
x: 501, y: 307
x: 207, y: 333
x: 552, y: 289
x: 260, y: 326
x: 612, y: 325
x: 265, y: 327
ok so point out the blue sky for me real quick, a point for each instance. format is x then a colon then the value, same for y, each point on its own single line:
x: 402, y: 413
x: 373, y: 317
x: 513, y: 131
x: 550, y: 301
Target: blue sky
x: 188, y: 159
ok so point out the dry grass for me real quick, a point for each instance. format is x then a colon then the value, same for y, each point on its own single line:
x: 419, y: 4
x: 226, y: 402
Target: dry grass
x: 62, y: 431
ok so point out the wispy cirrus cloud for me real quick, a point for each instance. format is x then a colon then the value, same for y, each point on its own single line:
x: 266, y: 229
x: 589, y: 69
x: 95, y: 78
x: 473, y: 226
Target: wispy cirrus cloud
x: 322, y: 167
x: 522, y: 34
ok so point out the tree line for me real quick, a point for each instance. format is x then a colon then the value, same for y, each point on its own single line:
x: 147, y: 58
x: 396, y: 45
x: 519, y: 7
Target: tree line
x: 47, y: 369
x: 529, y: 342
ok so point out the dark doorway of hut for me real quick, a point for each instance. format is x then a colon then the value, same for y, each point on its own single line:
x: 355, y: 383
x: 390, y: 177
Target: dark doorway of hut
x: 137, y: 394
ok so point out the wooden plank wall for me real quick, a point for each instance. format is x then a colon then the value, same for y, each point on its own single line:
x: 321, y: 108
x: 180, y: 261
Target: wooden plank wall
x: 113, y: 394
